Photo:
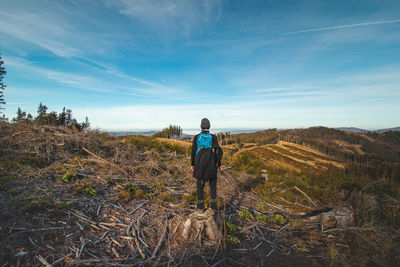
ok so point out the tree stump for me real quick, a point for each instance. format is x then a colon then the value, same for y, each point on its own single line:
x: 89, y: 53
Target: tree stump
x: 196, y: 228
x: 339, y: 218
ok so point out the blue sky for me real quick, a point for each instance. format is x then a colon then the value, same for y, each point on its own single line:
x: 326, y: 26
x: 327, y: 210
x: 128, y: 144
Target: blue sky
x: 242, y: 64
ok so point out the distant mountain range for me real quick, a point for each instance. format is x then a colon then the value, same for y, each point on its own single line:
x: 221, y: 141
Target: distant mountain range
x: 358, y: 130
x: 121, y: 133
x: 188, y: 133
x: 191, y: 133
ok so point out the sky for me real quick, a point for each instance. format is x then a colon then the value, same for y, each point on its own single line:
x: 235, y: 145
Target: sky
x: 145, y: 64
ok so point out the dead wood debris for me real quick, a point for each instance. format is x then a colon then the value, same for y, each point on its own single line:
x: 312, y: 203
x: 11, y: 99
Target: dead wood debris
x: 103, y: 230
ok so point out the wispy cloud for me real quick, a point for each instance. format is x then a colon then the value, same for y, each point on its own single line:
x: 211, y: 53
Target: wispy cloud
x: 171, y: 18
x: 78, y: 81
x: 345, y: 26
x: 43, y: 31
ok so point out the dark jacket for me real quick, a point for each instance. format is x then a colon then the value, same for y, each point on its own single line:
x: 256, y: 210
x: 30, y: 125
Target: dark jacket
x: 207, y: 160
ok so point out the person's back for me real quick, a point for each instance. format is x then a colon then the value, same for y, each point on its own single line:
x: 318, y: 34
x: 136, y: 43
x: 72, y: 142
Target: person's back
x: 205, y: 161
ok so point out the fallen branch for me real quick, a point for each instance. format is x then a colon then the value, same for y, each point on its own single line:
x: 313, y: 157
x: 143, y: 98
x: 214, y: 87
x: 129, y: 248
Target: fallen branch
x: 138, y: 207
x: 44, y: 261
x: 112, y: 164
x: 161, y: 239
x: 309, y: 199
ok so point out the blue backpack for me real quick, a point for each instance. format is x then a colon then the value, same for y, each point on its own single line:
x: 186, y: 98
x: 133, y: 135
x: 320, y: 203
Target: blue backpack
x: 204, y: 140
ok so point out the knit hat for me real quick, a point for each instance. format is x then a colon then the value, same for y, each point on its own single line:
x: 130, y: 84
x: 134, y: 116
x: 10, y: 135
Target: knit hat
x: 205, y: 124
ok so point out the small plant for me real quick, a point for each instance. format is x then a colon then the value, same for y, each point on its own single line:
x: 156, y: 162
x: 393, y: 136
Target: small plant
x: 190, y: 199
x: 69, y: 176
x: 278, y: 219
x: 262, y: 218
x: 233, y: 240
x: 90, y: 192
x: 245, y: 214
x: 149, y: 187
x: 232, y: 228
x: 150, y: 195
x: 303, y: 250
x: 262, y: 206
x: 85, y: 189
x: 129, y: 191
x: 166, y: 197
x: 38, y: 204
x: 139, y: 194
x: 61, y: 205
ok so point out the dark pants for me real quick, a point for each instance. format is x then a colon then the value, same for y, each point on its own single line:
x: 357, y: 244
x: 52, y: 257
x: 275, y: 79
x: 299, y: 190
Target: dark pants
x: 200, y: 193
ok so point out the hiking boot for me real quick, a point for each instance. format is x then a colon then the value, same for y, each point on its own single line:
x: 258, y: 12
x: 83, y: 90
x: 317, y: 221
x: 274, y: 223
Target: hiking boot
x: 200, y: 205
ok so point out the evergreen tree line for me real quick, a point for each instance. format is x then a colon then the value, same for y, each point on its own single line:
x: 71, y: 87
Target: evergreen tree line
x: 172, y: 131
x: 64, y: 118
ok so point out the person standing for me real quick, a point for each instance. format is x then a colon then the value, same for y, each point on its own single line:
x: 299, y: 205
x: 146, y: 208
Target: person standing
x: 206, y: 162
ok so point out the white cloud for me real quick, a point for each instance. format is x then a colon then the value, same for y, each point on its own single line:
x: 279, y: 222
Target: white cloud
x: 346, y: 26
x: 171, y: 18
x: 45, y: 31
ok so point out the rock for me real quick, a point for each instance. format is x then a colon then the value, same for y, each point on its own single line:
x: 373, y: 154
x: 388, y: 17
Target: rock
x: 195, y: 228
x: 339, y: 218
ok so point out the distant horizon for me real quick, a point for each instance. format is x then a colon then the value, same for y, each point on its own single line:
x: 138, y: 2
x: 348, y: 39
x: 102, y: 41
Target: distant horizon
x: 190, y: 131
x: 248, y: 64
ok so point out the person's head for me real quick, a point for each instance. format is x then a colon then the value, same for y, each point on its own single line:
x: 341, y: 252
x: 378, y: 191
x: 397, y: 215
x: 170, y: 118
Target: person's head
x: 205, y: 124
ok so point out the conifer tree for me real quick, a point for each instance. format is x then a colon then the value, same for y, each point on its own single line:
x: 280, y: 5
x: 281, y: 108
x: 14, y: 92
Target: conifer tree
x: 68, y: 118
x: 42, y: 114
x: 2, y: 85
x: 62, y: 117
